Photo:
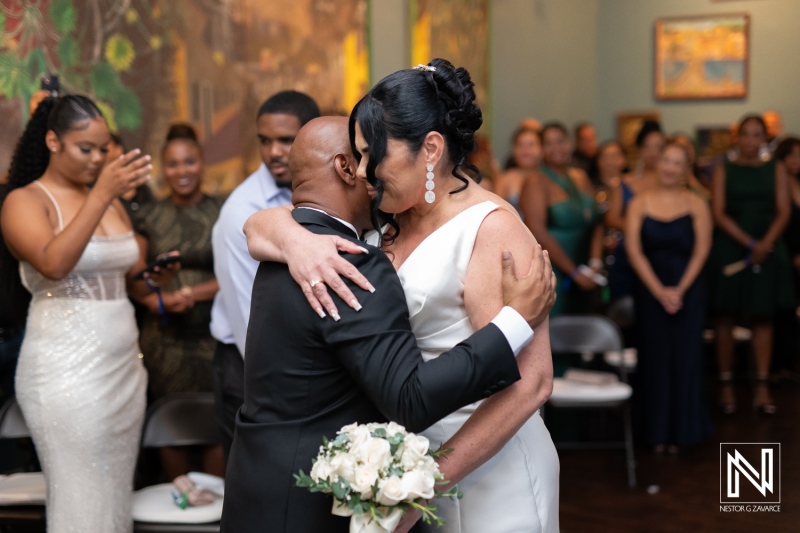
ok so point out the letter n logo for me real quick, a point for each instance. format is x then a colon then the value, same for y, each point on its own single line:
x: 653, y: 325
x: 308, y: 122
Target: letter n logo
x: 748, y: 473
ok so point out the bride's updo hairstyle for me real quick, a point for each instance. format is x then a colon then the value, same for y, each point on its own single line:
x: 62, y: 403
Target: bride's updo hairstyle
x: 409, y: 104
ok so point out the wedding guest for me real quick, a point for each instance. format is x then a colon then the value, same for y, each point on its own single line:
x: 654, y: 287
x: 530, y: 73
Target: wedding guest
x: 583, y: 157
x: 787, y: 333
x: 559, y: 207
x: 80, y: 382
x: 611, y: 167
x: 693, y: 182
x: 751, y: 206
x: 649, y: 142
x: 526, y: 156
x: 278, y: 120
x: 668, y: 238
x: 175, y: 337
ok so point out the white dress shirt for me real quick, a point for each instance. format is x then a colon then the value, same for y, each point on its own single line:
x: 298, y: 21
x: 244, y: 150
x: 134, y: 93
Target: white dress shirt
x: 234, y: 268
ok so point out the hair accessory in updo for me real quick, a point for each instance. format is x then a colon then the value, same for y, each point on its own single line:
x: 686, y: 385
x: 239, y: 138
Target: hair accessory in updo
x: 426, y: 68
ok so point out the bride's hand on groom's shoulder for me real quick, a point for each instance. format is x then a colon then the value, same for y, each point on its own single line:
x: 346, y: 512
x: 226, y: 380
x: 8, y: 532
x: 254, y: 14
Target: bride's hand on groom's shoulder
x: 315, y: 263
x: 534, y: 295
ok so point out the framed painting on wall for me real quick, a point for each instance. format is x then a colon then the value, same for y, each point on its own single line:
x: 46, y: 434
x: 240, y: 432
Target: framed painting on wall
x: 628, y: 125
x: 703, y: 57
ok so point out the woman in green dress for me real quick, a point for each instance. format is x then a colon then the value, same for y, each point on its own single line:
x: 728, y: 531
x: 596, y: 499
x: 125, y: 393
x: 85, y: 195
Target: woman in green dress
x: 750, y: 203
x: 175, y: 338
x: 559, y: 208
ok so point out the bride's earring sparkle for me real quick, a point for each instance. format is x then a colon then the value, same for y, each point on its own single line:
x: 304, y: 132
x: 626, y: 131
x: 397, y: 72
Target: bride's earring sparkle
x: 430, y: 196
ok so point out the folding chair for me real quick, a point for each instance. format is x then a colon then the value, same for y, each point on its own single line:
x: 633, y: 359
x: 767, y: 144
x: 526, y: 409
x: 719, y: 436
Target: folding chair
x: 593, y: 334
x: 21, y: 495
x: 183, y: 419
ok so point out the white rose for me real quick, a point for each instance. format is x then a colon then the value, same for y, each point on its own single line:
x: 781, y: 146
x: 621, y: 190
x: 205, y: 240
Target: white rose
x: 322, y: 470
x: 366, y: 476
x: 344, y: 465
x: 347, y: 429
x: 410, y: 458
x: 358, y: 436
x: 393, y: 428
x: 417, y: 443
x: 391, y: 491
x: 376, y: 452
x: 418, y: 484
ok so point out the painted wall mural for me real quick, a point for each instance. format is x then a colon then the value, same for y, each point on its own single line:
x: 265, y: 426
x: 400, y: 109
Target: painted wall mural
x: 456, y: 30
x: 209, y: 62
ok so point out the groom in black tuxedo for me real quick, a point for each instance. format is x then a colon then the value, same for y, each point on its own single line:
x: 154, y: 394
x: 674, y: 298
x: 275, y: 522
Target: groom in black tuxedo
x: 306, y: 377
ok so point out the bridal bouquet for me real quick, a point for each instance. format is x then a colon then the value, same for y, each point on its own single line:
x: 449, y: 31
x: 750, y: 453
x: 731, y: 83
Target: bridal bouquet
x: 375, y: 473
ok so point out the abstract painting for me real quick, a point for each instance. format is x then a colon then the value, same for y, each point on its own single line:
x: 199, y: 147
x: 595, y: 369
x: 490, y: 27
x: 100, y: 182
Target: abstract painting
x: 702, y: 57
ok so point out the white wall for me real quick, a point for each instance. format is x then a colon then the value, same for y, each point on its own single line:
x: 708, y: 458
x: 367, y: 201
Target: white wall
x: 543, y: 63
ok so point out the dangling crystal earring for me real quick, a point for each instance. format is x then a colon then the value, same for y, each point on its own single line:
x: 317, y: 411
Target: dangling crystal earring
x: 430, y: 196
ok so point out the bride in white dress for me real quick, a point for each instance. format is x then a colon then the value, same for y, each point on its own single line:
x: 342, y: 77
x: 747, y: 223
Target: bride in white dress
x: 413, y: 132
x: 80, y: 381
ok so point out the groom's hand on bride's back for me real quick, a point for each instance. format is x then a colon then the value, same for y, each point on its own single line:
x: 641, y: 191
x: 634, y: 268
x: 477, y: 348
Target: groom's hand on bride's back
x: 533, y: 295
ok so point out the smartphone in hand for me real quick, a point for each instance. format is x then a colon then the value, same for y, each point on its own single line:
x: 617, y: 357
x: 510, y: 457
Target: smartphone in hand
x: 159, y: 262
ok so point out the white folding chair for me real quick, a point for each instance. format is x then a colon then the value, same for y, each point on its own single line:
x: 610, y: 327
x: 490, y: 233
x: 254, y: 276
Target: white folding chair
x: 183, y: 419
x: 592, y: 334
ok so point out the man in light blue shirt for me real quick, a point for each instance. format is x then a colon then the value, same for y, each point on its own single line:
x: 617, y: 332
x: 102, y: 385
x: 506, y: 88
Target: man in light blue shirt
x: 279, y: 119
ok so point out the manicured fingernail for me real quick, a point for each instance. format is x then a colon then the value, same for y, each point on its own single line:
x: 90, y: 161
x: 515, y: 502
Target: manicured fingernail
x: 363, y: 249
x: 355, y: 305
x: 335, y: 315
x: 370, y: 287
x: 321, y: 313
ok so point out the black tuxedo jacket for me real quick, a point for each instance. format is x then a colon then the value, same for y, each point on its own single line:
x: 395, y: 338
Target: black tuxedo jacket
x: 306, y: 377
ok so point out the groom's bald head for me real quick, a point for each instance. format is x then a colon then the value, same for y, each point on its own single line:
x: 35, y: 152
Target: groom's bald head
x: 323, y: 171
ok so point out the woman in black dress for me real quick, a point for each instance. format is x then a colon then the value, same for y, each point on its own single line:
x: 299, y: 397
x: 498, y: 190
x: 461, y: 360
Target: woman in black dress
x: 668, y: 238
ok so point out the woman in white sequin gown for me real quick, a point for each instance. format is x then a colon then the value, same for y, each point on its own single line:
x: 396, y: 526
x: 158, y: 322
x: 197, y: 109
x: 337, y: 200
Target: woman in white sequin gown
x: 80, y: 381
x: 413, y: 132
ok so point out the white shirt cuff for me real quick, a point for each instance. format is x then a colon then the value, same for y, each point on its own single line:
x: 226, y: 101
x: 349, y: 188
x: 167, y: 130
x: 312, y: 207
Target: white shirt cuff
x: 516, y: 330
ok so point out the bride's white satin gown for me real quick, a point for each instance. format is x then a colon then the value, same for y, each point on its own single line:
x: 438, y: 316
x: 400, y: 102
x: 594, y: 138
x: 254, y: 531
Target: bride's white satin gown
x: 517, y: 490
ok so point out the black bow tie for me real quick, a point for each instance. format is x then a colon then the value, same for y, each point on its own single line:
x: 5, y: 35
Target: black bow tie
x: 284, y: 184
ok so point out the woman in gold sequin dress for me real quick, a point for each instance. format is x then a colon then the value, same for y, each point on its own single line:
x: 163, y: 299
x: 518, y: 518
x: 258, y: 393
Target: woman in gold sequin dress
x: 80, y: 381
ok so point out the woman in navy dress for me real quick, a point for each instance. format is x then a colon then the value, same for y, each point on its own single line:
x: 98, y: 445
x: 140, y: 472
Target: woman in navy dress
x: 668, y: 238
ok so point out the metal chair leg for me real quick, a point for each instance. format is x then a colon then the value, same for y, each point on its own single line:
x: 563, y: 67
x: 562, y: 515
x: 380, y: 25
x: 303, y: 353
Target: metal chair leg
x: 631, y: 463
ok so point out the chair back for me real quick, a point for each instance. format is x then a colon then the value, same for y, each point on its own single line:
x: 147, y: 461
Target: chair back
x: 584, y: 333
x: 182, y: 419
x: 12, y: 423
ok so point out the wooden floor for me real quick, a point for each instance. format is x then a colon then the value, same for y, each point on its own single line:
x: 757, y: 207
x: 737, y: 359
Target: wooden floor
x: 684, y: 489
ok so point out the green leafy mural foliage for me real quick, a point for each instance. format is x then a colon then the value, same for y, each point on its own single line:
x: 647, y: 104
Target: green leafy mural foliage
x: 49, y: 39
x: 63, y: 15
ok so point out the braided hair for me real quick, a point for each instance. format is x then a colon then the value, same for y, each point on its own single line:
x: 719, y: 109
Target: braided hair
x: 409, y: 104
